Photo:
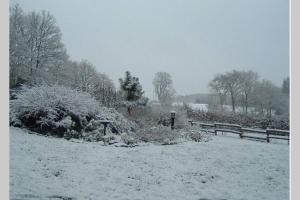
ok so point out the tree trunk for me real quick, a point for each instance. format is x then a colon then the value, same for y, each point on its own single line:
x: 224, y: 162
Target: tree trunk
x: 233, y: 103
x: 129, y: 110
x: 246, y: 103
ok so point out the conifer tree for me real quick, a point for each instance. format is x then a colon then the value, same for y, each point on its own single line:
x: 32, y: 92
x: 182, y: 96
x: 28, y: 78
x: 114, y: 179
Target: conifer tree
x: 131, y: 87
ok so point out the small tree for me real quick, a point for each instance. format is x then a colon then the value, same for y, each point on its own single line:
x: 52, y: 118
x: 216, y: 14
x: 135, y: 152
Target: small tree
x: 131, y: 89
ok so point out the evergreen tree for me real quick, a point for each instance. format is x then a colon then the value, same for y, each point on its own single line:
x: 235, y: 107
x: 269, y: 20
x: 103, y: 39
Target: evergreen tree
x: 131, y: 87
x: 286, y: 86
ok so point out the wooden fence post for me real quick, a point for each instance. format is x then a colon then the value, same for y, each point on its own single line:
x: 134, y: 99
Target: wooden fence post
x: 241, y: 133
x: 268, y: 135
x: 216, y: 132
x: 173, y: 115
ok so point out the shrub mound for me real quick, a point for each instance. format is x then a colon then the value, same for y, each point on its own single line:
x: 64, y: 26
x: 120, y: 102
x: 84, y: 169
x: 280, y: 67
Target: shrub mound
x: 64, y: 112
x: 158, y: 134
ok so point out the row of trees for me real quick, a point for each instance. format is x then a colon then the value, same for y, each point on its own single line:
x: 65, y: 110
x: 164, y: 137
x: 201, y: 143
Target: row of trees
x: 245, y: 89
x: 38, y: 56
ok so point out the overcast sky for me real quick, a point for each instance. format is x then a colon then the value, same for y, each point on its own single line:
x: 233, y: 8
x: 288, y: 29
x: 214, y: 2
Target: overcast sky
x: 191, y: 39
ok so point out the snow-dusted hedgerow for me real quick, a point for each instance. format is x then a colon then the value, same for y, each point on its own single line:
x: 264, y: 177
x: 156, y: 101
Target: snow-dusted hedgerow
x: 245, y: 120
x: 63, y: 111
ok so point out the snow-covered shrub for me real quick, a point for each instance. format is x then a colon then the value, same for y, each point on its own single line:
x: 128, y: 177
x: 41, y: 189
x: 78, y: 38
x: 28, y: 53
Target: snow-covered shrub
x: 71, y: 134
x: 52, y: 109
x: 119, y: 123
x: 159, y: 134
x: 94, y: 130
x: 128, y: 139
x: 64, y: 112
x: 196, y: 134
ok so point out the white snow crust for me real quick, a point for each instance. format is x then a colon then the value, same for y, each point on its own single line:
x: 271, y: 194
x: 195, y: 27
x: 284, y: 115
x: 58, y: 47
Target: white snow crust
x: 223, y: 168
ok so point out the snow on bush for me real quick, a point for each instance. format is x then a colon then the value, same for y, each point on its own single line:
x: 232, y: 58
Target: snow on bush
x: 52, y: 108
x: 128, y: 139
x: 119, y: 123
x: 196, y: 134
x: 68, y: 113
x: 63, y: 111
x: 158, y: 134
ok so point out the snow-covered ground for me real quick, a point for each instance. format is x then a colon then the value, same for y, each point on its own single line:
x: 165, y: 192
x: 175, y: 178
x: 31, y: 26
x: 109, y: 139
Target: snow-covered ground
x: 223, y: 168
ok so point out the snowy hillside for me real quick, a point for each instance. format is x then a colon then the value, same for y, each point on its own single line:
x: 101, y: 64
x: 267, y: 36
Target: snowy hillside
x: 223, y: 168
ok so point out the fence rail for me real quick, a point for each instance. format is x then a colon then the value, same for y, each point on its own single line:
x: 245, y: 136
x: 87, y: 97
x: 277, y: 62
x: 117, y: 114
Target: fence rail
x: 260, y: 134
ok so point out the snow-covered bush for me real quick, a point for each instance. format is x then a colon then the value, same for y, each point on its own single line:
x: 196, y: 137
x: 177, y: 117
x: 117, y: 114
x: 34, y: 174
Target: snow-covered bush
x: 196, y: 134
x: 158, y: 134
x: 128, y: 139
x: 64, y: 112
x: 119, y: 123
x: 94, y: 130
x: 52, y: 108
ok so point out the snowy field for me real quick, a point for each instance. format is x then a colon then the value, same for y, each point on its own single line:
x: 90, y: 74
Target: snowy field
x: 223, y: 168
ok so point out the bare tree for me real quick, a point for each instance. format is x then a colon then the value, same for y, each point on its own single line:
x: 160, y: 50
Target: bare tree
x: 267, y: 97
x: 218, y: 86
x: 248, y: 80
x: 105, y: 91
x: 44, y: 42
x: 86, y: 76
x: 35, y: 46
x: 163, y: 87
x: 17, y: 46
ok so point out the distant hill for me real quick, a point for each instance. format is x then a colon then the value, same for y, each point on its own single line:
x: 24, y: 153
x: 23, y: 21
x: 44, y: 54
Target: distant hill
x: 201, y: 98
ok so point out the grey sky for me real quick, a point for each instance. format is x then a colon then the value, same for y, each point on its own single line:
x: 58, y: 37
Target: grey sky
x: 191, y: 39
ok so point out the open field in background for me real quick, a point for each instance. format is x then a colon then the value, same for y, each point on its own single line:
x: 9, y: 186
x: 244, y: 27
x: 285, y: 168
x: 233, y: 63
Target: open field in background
x: 204, y: 107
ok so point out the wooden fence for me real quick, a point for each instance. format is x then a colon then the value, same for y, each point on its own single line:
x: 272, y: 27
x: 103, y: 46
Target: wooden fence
x: 257, y: 134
